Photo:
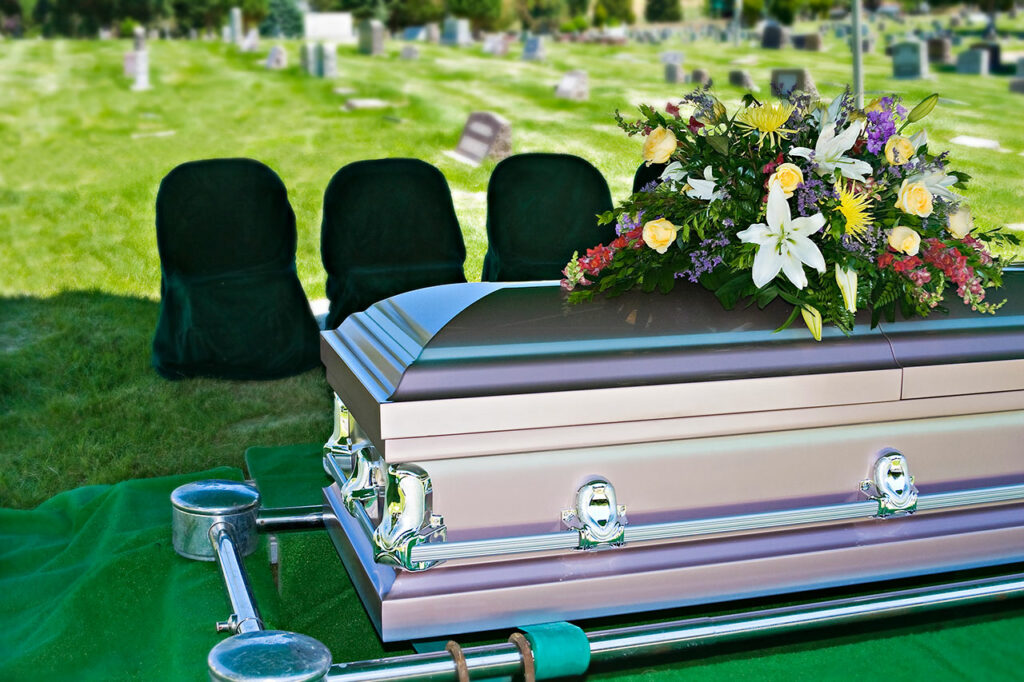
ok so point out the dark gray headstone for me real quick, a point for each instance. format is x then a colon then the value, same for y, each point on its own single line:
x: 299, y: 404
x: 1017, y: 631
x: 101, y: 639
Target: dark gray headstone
x: 371, y: 37
x: 773, y: 36
x: 940, y: 51
x: 741, y: 79
x: 674, y: 73
x: 307, y: 58
x: 326, y: 64
x: 486, y: 135
x: 1017, y: 85
x: 973, y: 62
x: 909, y: 60
x: 785, y: 81
x: 813, y: 42
x: 1020, y: 67
x: 700, y: 77
x: 455, y: 32
x: 995, y: 54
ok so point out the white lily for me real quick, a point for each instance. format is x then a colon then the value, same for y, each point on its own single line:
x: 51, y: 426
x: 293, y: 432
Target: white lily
x: 938, y: 183
x: 703, y: 189
x: 673, y: 172
x: 784, y: 243
x: 919, y: 139
x: 847, y: 281
x: 829, y: 152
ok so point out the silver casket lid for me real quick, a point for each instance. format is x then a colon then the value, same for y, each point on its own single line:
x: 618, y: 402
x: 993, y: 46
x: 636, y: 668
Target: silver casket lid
x: 480, y: 357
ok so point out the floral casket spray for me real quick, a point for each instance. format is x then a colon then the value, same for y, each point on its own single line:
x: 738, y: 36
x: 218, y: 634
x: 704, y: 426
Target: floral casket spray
x: 828, y: 207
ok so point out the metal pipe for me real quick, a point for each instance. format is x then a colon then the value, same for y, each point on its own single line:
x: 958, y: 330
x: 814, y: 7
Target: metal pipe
x: 245, y: 617
x: 625, y: 643
x: 286, y: 519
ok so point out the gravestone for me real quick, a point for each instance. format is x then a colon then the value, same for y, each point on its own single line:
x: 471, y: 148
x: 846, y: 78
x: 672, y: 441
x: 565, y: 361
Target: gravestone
x: 486, y: 135
x: 773, y: 37
x: 940, y: 50
x: 371, y: 37
x: 799, y: 41
x: 1020, y: 67
x: 674, y: 73
x: 251, y: 43
x: 129, y: 64
x: 1017, y: 85
x: 741, y: 79
x: 193, y: 34
x: 700, y: 77
x: 413, y: 33
x: 495, y: 45
x: 141, y: 61
x: 785, y: 81
x: 909, y: 60
x: 995, y: 56
x: 455, y: 32
x: 327, y: 60
x: 277, y: 58
x: 672, y: 57
x: 410, y: 52
x: 307, y: 58
x: 334, y: 27
x: 575, y: 85
x: 235, y: 24
x: 533, y: 50
x: 813, y: 42
x: 431, y: 33
x: 973, y: 62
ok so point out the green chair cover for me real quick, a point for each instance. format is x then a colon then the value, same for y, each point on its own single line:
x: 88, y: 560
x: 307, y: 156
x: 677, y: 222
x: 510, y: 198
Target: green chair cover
x: 389, y: 226
x: 231, y: 305
x: 540, y: 209
x: 647, y: 174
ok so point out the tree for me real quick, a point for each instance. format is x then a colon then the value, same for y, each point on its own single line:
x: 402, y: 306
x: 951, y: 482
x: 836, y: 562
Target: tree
x: 416, y: 12
x: 577, y: 8
x: 662, y: 11
x: 283, y: 20
x: 483, y: 14
x: 614, y: 11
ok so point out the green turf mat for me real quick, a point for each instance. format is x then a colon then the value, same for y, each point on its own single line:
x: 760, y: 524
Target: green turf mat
x: 92, y: 590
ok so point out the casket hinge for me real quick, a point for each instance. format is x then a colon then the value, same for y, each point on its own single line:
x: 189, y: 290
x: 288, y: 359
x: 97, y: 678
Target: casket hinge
x: 337, y: 444
x: 366, y: 481
x: 601, y: 522
x: 891, y: 485
x: 407, y: 519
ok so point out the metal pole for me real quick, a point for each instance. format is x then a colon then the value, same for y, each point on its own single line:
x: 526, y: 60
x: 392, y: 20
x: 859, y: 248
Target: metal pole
x: 285, y: 519
x: 858, y: 56
x: 245, y: 616
x: 625, y: 643
x: 737, y: 15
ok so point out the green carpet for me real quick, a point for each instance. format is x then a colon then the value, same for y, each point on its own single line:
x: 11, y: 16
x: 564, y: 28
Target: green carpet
x: 92, y: 590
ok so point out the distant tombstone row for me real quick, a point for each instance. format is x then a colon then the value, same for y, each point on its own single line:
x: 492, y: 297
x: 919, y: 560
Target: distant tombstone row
x: 575, y: 85
x: 485, y: 136
x: 371, y: 38
x: 785, y: 81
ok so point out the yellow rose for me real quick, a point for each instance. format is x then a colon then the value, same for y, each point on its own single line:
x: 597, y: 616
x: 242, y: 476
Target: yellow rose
x: 659, y: 146
x: 659, y: 234
x: 960, y: 223
x: 905, y: 239
x: 899, y: 150
x: 788, y: 176
x: 915, y: 199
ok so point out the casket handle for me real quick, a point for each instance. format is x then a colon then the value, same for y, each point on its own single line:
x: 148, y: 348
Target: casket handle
x: 891, y: 485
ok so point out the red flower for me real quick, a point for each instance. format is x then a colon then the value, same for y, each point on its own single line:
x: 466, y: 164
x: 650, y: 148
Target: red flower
x: 672, y: 110
x: 694, y: 125
x: 772, y: 165
x: 885, y: 260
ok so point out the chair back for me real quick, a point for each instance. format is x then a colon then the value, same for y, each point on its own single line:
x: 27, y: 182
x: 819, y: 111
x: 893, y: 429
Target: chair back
x: 647, y: 174
x: 540, y: 209
x: 389, y: 226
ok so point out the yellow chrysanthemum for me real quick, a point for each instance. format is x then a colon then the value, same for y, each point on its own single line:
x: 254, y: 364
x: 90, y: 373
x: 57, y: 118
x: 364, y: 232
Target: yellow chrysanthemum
x: 855, y: 208
x: 767, y: 120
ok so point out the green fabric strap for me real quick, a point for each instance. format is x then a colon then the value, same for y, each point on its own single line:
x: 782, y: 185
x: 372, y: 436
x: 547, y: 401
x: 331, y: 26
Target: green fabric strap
x: 559, y: 649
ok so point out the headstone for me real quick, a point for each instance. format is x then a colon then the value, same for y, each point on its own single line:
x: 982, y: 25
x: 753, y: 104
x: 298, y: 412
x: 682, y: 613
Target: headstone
x: 193, y: 34
x: 327, y: 60
x: 674, y: 73
x: 773, y: 36
x: 940, y: 50
x: 973, y: 62
x: 455, y: 32
x: 235, y: 24
x: 410, y: 52
x: 335, y: 27
x: 495, y: 45
x: 486, y: 135
x: 431, y: 33
x: 1017, y: 85
x: 799, y: 41
x: 700, y: 77
x: 909, y: 60
x: 413, y: 33
x: 105, y: 34
x: 785, y: 81
x: 672, y: 58
x: 307, y: 58
x: 129, y: 64
x: 575, y: 85
x: 139, y: 39
x: 153, y: 34
x: 251, y: 43
x: 371, y: 37
x: 141, y: 61
x: 1020, y: 67
x: 741, y: 79
x: 533, y: 50
x: 277, y: 59
x: 357, y: 104
x: 995, y: 56
x: 813, y: 42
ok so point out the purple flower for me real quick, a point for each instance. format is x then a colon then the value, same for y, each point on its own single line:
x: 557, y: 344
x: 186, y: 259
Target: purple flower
x: 628, y: 223
x: 703, y: 259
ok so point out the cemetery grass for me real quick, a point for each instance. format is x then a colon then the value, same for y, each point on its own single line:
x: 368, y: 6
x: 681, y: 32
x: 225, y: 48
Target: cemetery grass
x: 81, y: 157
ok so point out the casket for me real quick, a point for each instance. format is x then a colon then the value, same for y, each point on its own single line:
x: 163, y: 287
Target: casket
x: 516, y: 459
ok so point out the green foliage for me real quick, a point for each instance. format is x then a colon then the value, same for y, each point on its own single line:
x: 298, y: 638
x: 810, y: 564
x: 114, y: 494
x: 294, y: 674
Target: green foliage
x: 416, y: 12
x: 483, y: 14
x: 663, y: 11
x: 753, y: 10
x: 785, y: 11
x: 614, y: 12
x: 283, y: 19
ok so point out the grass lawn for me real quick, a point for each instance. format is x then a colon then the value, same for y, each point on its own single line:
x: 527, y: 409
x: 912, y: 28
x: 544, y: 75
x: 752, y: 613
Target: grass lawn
x: 81, y: 157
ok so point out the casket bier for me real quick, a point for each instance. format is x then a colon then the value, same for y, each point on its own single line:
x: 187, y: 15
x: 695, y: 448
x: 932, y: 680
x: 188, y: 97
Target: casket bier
x: 517, y: 459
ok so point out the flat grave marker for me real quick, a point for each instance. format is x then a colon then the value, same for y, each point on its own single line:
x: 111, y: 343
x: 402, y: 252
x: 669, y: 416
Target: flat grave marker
x: 410, y: 52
